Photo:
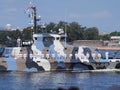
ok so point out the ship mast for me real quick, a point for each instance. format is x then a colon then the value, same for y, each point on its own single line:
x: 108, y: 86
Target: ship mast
x: 34, y: 16
x: 35, y: 19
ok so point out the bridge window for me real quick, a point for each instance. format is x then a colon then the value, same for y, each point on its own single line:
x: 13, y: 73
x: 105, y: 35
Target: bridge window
x: 62, y: 39
x: 57, y: 38
x: 35, y: 38
x: 46, y: 39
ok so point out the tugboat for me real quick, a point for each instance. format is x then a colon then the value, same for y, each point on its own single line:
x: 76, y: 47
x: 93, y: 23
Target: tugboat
x: 50, y: 52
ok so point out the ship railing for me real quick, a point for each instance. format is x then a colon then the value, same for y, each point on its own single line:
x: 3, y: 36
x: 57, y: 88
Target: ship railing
x: 82, y: 57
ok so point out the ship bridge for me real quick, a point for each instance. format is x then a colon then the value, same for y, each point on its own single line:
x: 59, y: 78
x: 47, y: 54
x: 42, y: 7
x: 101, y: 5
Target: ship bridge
x: 49, y: 37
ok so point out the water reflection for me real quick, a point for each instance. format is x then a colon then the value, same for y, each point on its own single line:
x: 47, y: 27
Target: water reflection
x: 54, y: 80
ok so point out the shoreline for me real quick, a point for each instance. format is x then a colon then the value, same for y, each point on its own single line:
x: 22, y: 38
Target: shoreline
x: 68, y: 71
x: 109, y: 48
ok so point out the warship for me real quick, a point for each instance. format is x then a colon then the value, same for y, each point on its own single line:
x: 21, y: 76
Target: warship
x: 51, y: 52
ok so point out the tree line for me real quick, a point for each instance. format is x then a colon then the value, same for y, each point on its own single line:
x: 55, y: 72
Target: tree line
x: 74, y: 31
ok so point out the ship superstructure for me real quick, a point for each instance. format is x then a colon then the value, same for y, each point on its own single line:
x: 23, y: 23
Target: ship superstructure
x: 48, y: 52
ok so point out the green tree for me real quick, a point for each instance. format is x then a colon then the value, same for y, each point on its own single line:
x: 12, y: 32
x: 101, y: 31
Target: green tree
x: 15, y: 34
x: 91, y: 33
x: 75, y: 31
x: 115, y: 33
x: 3, y: 37
x: 27, y: 34
x: 105, y: 37
x: 61, y: 25
x: 51, y: 27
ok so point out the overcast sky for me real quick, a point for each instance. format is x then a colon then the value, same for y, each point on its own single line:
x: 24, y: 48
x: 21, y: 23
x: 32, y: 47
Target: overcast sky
x: 103, y: 14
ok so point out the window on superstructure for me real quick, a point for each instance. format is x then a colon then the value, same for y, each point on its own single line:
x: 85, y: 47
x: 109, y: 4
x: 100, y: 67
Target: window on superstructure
x: 62, y: 39
x: 57, y: 38
x: 48, y: 39
x: 7, y: 51
x: 35, y: 38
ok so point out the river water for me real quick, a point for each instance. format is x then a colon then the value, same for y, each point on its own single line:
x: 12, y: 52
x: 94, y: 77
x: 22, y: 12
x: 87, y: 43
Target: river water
x: 55, y: 80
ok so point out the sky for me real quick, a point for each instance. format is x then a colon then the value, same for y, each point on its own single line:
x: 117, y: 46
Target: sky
x: 103, y: 14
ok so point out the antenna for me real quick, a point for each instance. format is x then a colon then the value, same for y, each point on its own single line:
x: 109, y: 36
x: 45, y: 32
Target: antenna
x: 31, y: 2
x: 65, y: 35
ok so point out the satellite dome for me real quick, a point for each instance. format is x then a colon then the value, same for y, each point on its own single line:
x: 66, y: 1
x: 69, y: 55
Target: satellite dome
x: 8, y: 26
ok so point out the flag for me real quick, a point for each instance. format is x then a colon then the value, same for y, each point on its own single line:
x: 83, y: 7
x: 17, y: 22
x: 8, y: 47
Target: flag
x: 31, y: 22
x: 31, y: 15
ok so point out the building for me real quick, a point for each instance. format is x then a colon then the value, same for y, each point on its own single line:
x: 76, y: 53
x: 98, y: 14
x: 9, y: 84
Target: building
x: 115, y: 39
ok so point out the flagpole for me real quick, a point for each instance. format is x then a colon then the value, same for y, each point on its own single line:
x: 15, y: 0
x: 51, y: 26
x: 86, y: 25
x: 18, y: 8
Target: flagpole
x: 35, y: 19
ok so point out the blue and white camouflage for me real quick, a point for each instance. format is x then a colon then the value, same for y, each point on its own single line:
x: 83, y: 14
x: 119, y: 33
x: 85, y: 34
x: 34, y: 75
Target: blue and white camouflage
x: 49, y: 52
